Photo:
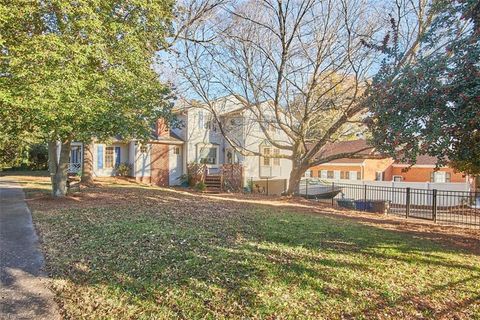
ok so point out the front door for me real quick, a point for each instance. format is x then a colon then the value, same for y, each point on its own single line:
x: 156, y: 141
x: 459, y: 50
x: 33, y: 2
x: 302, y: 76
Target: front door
x: 175, y: 164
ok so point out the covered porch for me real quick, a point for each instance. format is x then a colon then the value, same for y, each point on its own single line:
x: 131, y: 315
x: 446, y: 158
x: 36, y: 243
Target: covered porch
x: 76, y: 158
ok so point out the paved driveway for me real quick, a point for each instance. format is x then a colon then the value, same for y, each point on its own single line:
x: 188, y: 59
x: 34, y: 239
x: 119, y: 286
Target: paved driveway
x: 23, y: 291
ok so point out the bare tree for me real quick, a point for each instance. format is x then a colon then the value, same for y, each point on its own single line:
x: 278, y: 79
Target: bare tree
x: 303, y: 61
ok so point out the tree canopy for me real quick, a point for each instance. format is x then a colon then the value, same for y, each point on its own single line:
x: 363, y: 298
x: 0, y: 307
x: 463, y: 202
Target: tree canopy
x: 76, y: 70
x: 431, y: 104
x: 302, y: 62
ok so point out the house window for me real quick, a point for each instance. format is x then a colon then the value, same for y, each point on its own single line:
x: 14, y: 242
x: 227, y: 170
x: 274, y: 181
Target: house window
x: 109, y: 156
x: 276, y: 161
x: 397, y: 178
x: 176, y: 150
x: 75, y: 154
x: 201, y: 120
x: 440, y: 177
x: 231, y: 156
x: 359, y: 175
x: 329, y: 174
x: 379, y: 176
x: 308, y: 174
x: 210, y: 124
x: 208, y: 155
x: 344, y: 175
x: 323, y: 174
x: 354, y: 175
x: 266, y: 156
x: 336, y: 174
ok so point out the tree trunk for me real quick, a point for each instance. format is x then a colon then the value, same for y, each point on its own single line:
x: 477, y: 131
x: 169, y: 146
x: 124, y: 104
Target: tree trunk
x: 58, y: 167
x: 295, y: 176
x: 87, y: 171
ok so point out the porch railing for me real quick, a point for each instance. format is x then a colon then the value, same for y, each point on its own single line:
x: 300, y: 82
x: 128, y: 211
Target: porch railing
x: 74, y: 167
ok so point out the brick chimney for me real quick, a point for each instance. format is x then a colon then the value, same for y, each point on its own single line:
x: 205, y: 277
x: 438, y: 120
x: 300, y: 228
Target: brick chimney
x: 162, y: 128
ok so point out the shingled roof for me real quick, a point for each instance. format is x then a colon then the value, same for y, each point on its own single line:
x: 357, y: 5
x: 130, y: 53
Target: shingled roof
x: 424, y: 160
x: 347, y: 147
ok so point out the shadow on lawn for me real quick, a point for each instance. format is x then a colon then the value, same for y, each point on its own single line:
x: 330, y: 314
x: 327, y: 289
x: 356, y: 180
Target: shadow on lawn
x: 222, y: 262
x: 420, y: 302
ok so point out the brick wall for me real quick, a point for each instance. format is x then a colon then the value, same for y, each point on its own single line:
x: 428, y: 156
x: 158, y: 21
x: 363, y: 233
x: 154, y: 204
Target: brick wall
x: 416, y: 174
x: 159, y: 169
x: 316, y: 169
x: 373, y: 165
x: 162, y: 128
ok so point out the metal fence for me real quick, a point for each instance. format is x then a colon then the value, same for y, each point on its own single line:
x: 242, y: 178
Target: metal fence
x: 459, y: 208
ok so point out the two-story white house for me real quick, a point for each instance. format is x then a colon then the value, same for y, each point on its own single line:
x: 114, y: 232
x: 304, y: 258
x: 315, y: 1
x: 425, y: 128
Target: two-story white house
x: 199, y: 139
x: 242, y: 141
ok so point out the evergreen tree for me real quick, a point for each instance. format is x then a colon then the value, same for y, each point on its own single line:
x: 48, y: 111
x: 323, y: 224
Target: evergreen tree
x: 431, y: 104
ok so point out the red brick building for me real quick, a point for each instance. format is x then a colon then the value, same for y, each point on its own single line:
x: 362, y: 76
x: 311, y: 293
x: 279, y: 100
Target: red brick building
x: 376, y: 168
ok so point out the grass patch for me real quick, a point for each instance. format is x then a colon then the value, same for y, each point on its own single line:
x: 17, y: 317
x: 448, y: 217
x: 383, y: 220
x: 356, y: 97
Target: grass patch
x: 166, y: 255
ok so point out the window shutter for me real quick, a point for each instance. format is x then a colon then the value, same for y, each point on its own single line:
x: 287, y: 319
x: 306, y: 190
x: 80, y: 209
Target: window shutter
x: 201, y: 122
x: 100, y: 156
x: 117, y: 156
x: 448, y: 177
x: 432, y: 177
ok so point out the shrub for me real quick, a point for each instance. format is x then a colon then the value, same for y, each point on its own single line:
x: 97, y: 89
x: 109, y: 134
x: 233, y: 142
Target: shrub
x: 38, y: 156
x: 187, y: 180
x: 201, y: 186
x: 123, y: 169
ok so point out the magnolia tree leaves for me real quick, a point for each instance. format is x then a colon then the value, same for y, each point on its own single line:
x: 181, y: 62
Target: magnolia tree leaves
x: 431, y: 103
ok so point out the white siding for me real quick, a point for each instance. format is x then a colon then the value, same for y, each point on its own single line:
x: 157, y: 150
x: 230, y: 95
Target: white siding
x: 131, y: 157
x: 107, y: 172
x: 142, y: 161
x: 245, y: 131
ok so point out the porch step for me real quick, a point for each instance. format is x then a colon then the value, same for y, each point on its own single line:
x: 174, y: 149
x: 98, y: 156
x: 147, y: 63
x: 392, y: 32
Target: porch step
x: 213, y: 184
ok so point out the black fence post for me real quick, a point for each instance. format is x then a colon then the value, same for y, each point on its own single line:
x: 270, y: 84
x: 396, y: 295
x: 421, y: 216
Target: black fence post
x: 333, y: 189
x: 365, y: 197
x: 407, y: 203
x: 475, y: 195
x: 475, y: 205
x: 306, y: 187
x: 434, y: 205
x: 251, y: 184
x: 267, y: 187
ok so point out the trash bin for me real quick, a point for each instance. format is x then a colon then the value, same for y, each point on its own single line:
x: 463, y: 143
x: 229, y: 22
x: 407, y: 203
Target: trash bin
x: 346, y: 203
x: 363, y: 205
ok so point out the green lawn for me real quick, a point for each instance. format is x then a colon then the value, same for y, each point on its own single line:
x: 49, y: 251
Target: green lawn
x: 166, y: 255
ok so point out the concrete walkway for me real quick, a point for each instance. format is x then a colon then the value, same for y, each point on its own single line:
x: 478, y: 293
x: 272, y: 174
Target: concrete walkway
x: 23, y: 291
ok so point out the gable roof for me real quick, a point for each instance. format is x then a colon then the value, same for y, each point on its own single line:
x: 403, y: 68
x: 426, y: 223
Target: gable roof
x: 422, y: 160
x: 347, y: 147
x: 171, y: 138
